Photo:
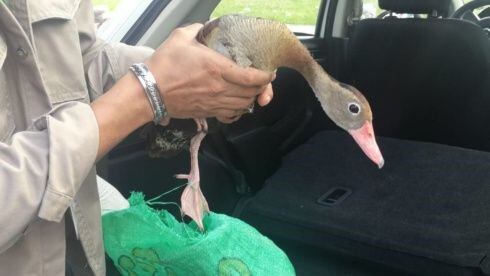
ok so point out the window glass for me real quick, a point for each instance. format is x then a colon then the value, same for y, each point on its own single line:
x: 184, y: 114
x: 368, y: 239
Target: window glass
x: 109, y: 4
x: 114, y: 18
x: 371, y: 9
x: 479, y: 10
x: 103, y: 10
x: 299, y: 15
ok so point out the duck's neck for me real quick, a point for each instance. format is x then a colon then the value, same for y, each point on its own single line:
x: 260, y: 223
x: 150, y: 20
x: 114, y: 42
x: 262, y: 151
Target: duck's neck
x: 324, y: 86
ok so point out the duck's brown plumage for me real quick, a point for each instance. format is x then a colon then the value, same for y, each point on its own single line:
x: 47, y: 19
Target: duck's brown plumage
x: 249, y: 41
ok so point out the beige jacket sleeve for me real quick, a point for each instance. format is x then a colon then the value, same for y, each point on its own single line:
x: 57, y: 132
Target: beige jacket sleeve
x: 42, y: 168
x: 104, y: 62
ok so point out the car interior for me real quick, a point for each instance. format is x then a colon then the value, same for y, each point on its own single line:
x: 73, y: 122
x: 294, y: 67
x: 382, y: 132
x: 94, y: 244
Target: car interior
x: 290, y: 172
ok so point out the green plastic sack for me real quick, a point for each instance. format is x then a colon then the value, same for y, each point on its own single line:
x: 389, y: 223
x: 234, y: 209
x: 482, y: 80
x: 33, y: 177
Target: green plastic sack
x: 144, y: 241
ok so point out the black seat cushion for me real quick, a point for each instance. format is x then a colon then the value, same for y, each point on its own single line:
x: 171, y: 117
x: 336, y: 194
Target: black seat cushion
x: 426, y: 79
x: 427, y: 211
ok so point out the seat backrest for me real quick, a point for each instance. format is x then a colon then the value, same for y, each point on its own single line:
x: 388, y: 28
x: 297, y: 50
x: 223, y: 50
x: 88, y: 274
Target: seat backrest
x: 426, y: 79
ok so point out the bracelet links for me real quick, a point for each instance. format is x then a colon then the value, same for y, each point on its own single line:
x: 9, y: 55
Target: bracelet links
x: 149, y: 84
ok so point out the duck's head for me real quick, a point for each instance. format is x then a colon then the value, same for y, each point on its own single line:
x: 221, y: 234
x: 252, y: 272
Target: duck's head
x: 350, y: 110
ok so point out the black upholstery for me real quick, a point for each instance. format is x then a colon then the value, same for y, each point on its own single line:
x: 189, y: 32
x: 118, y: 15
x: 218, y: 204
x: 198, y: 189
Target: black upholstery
x: 427, y: 211
x: 416, y: 6
x: 426, y: 79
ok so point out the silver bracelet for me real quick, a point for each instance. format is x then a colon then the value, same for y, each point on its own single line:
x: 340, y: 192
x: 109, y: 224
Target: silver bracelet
x: 149, y: 84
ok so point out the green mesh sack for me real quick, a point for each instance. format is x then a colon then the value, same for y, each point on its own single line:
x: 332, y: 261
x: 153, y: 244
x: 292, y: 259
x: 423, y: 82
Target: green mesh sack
x: 141, y: 240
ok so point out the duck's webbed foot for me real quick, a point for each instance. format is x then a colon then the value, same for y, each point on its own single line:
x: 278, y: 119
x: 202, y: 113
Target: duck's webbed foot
x: 193, y: 202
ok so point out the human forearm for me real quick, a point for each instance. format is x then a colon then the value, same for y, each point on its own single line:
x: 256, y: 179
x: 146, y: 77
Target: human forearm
x: 195, y: 82
x: 120, y: 111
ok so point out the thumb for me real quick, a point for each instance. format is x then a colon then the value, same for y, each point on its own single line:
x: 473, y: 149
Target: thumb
x: 266, y: 96
x: 190, y: 31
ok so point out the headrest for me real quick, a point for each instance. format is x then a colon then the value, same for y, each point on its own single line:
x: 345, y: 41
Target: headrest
x: 416, y: 6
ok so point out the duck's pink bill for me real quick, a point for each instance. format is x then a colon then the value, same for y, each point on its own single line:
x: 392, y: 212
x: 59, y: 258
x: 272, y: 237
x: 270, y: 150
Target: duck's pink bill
x: 365, y: 138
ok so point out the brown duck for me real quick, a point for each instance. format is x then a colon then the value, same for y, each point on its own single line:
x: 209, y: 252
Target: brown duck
x: 267, y: 45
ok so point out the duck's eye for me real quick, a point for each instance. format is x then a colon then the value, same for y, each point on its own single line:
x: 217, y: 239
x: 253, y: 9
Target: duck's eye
x: 354, y: 108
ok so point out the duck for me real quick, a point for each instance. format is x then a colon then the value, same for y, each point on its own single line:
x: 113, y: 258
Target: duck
x: 267, y: 45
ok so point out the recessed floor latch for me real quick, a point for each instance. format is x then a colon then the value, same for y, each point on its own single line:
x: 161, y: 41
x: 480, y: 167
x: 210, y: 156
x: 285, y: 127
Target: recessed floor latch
x: 335, y: 196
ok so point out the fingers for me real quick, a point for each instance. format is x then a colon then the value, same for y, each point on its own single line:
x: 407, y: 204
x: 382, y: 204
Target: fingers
x: 234, y: 103
x: 247, y: 92
x: 266, y: 97
x: 228, y: 113
x: 194, y: 29
x: 246, y: 76
x: 240, y: 105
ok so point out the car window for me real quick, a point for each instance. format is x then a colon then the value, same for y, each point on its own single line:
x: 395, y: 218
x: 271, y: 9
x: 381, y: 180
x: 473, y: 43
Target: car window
x: 300, y: 15
x: 111, y: 4
x: 114, y: 18
x: 103, y: 9
x: 371, y: 9
x: 478, y: 10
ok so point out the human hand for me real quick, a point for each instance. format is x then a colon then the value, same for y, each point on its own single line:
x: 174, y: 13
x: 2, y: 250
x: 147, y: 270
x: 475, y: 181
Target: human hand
x: 197, y: 82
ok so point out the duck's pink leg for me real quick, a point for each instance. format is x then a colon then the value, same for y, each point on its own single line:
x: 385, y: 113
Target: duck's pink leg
x: 192, y: 200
